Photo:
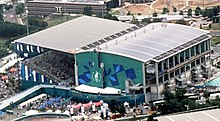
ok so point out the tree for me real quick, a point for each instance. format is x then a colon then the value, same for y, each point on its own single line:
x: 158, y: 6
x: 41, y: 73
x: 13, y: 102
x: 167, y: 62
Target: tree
x: 106, y: 15
x: 189, y: 12
x: 146, y: 20
x: 1, y: 14
x: 181, y: 12
x: 168, y: 95
x: 157, y: 20
x: 174, y: 9
x: 151, y: 117
x: 155, y: 14
x: 181, y: 21
x: 37, y: 22
x: 20, y: 8
x: 197, y: 11
x: 215, y: 11
x: 129, y: 13
x: 165, y: 10
x: 134, y: 20
x: 87, y: 10
x: 192, y: 105
x: 179, y: 94
x: 204, y: 13
x: 43, y: 24
x: 7, y: 7
x: 210, y: 13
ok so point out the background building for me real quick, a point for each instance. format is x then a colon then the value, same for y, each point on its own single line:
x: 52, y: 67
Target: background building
x: 45, y: 8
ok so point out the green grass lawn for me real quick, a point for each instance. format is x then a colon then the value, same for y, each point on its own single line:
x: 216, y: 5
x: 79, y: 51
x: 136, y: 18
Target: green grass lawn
x: 116, y: 12
x: 58, y: 19
x: 216, y: 26
x: 215, y: 40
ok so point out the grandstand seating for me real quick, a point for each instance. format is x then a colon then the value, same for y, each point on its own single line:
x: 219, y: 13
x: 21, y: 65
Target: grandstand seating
x: 55, y: 65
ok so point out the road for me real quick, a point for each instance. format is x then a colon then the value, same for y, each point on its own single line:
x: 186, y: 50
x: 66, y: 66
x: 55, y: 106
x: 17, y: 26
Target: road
x: 11, y: 16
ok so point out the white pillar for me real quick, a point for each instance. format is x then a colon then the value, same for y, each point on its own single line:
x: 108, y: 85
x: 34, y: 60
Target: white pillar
x: 157, y: 81
x: 144, y: 82
x: 76, y: 72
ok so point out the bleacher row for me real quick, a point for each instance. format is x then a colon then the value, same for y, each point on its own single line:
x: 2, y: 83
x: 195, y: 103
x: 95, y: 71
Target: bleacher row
x: 55, y: 65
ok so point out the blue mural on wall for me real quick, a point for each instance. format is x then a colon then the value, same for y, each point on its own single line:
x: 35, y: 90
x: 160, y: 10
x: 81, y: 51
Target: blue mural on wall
x: 86, y: 76
x: 109, y: 73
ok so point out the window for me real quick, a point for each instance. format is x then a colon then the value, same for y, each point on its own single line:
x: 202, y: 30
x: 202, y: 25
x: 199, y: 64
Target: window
x: 203, y: 47
x: 171, y: 74
x: 183, y: 69
x: 192, y: 51
x: 198, y: 61
x: 177, y: 72
x: 187, y: 54
x: 182, y: 57
x: 193, y: 64
x: 171, y: 62
x: 176, y: 57
x: 197, y: 49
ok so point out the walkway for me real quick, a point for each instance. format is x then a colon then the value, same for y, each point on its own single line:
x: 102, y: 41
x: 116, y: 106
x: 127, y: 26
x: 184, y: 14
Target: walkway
x: 24, y: 94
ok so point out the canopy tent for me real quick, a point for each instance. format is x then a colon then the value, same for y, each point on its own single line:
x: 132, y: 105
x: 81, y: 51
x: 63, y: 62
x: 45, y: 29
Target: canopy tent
x: 5, y: 77
x: 49, y: 111
x: 58, y: 111
x: 31, y: 112
x: 13, y: 70
x: 76, y: 106
x: 87, y: 105
x: 96, y: 90
x: 66, y: 112
x: 98, y: 103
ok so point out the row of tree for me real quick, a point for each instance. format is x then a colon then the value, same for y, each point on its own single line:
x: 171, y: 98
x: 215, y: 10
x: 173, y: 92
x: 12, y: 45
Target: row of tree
x: 177, y: 102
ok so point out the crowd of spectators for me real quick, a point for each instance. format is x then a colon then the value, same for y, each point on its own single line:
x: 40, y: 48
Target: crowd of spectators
x: 54, y: 64
x: 9, y: 84
x: 45, y: 103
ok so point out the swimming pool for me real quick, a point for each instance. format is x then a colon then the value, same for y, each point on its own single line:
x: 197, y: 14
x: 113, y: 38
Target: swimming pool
x: 214, y: 82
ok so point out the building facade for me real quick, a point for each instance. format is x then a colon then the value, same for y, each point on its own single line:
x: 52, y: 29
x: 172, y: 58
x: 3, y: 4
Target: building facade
x: 137, y: 60
x: 45, y: 8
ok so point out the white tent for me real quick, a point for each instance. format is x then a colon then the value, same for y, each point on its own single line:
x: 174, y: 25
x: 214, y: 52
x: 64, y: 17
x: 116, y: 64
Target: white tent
x: 32, y: 100
x: 66, y: 112
x: 96, y: 90
x: 49, y: 111
x: 58, y: 111
x: 31, y: 112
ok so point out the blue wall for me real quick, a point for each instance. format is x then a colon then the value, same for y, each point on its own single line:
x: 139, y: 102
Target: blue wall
x: 27, y: 78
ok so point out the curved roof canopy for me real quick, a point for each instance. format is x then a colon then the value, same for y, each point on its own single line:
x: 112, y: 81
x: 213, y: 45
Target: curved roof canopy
x: 155, y: 41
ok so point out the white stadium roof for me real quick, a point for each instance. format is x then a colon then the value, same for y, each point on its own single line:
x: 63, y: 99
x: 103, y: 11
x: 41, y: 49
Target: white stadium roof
x: 155, y: 41
x: 75, y: 33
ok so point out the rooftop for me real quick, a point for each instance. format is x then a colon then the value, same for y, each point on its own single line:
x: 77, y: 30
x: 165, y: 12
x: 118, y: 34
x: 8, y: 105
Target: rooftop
x: 206, y: 115
x: 74, y: 34
x: 155, y: 41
